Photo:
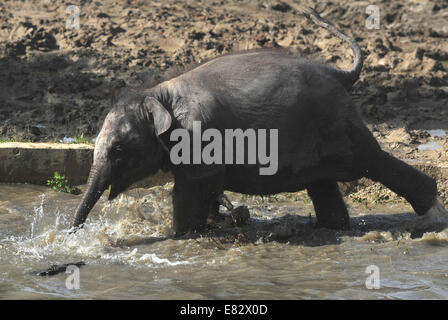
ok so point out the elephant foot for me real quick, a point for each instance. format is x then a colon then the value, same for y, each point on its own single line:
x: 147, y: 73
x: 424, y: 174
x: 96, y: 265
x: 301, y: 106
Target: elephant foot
x: 434, y: 220
x: 240, y: 216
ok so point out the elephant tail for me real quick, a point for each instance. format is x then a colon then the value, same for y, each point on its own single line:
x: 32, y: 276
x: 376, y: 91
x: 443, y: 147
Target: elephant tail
x: 346, y: 77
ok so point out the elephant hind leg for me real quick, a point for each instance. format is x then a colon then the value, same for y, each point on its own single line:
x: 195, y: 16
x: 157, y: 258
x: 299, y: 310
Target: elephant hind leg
x: 329, y: 205
x: 416, y: 187
x: 419, y: 189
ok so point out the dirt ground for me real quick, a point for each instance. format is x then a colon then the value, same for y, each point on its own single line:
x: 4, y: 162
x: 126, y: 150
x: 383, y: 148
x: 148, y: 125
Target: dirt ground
x: 56, y: 82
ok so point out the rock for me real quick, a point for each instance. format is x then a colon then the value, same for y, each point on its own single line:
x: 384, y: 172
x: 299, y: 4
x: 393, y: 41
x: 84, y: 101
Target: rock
x: 42, y: 40
x: 30, y: 36
x: 102, y: 15
x: 409, y: 63
x: 398, y: 135
x: 195, y: 35
x: 396, y: 96
x: 438, y: 82
x: 437, y: 55
x: 419, y: 52
x: 381, y: 68
x: 83, y: 42
x: 436, y: 8
x: 438, y: 66
x: 390, y: 18
x: 261, y: 40
x: 281, y: 6
x: 15, y: 49
x: 286, y: 42
x: 438, y: 33
x: 116, y: 30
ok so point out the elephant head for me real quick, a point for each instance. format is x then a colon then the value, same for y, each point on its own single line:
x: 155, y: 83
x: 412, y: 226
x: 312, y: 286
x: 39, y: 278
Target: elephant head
x: 128, y: 148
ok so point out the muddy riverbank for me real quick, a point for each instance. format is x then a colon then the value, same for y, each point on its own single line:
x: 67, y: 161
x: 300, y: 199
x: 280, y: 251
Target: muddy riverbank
x: 56, y: 82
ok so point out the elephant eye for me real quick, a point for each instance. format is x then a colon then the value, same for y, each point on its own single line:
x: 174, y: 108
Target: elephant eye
x: 117, y: 151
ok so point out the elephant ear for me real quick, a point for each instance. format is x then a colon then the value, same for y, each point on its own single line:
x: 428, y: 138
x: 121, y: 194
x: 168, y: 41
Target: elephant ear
x: 161, y: 116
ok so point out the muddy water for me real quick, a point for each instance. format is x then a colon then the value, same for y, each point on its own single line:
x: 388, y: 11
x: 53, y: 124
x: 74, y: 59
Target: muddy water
x: 278, y: 255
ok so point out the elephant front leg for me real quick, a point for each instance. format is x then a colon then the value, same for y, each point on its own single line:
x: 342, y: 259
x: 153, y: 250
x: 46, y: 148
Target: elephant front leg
x: 329, y: 205
x: 193, y: 199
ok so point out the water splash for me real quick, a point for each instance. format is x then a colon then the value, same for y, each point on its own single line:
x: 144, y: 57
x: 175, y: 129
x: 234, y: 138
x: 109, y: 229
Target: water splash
x: 108, y: 236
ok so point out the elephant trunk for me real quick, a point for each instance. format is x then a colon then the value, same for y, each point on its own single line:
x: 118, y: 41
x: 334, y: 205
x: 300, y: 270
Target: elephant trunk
x: 96, y: 185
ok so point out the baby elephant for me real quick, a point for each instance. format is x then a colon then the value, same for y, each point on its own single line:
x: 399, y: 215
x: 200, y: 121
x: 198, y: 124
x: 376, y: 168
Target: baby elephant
x: 318, y: 138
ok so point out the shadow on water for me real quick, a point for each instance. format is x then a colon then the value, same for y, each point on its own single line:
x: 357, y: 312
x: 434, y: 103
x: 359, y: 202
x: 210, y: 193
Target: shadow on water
x: 300, y: 230
x: 291, y: 229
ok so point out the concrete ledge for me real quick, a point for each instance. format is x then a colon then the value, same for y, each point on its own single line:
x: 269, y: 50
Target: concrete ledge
x: 22, y: 162
x: 36, y: 162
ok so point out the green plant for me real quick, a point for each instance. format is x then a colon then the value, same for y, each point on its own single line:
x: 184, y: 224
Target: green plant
x: 380, y: 197
x: 4, y: 140
x: 81, y: 139
x: 60, y: 183
x: 356, y: 198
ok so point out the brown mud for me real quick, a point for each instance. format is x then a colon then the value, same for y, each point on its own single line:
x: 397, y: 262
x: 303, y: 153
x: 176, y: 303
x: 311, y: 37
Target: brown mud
x: 57, y: 82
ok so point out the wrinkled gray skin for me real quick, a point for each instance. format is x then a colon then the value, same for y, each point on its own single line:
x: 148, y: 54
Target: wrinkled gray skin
x: 322, y: 139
